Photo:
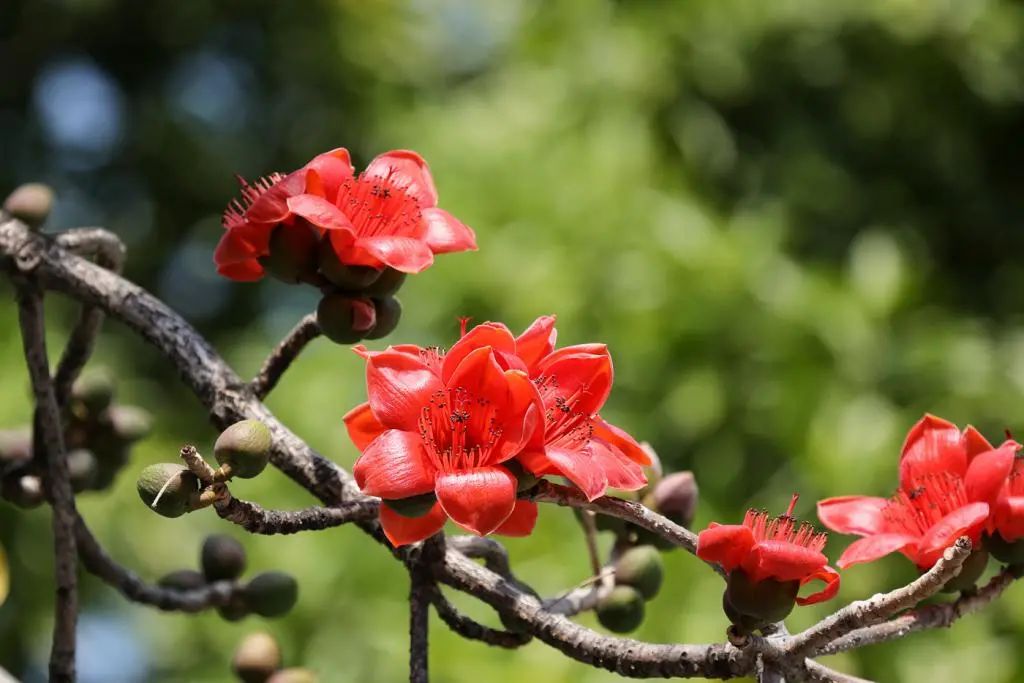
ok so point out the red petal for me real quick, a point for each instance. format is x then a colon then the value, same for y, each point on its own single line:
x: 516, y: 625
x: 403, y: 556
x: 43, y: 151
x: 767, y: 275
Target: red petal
x: 725, y: 544
x: 830, y: 577
x: 481, y: 376
x: 399, y: 386
x: 860, y: 515
x: 974, y: 442
x: 480, y: 499
x: 874, y: 547
x: 927, y: 423
x: 320, y: 212
x: 1009, y: 517
x: 579, y: 468
x: 537, y: 341
x: 233, y: 248
x: 242, y: 271
x: 584, y: 376
x: 932, y: 446
x: 363, y: 426
x: 988, y: 471
x: 394, y: 466
x: 619, y: 471
x: 622, y: 441
x: 521, y: 521
x: 272, y: 205
x: 782, y: 560
x: 406, y: 254
x: 406, y: 170
x: 445, y: 234
x: 402, y: 530
x: 494, y: 335
x: 333, y: 168
x: 523, y: 416
x: 965, y: 521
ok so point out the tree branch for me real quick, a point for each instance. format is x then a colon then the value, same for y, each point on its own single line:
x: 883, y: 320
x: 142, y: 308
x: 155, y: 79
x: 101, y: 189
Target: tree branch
x: 258, y: 520
x: 281, y: 358
x: 473, y: 630
x: 58, y: 482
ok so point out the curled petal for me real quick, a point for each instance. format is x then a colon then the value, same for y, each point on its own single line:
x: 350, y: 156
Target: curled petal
x: 831, y: 578
x: 861, y: 515
x: 493, y: 335
x: 319, y: 212
x: 402, y: 530
x: 622, y: 441
x: 725, y: 544
x: 536, y: 342
x: 521, y: 521
x: 407, y: 170
x: 332, y: 169
x: 445, y: 234
x: 480, y: 499
x: 965, y: 521
x: 523, y: 416
x: 973, y: 442
x: 394, y: 466
x: 874, y: 547
x: 363, y: 426
x: 782, y: 560
x: 988, y: 471
x: 399, y: 386
x: 928, y: 423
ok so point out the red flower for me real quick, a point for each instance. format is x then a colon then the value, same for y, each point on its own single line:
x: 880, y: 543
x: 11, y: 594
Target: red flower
x: 1008, y: 512
x: 775, y: 549
x: 387, y: 216
x: 948, y: 480
x: 446, y: 425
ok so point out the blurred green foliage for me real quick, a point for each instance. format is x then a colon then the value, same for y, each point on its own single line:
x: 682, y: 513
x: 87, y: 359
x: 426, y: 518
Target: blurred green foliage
x: 797, y: 224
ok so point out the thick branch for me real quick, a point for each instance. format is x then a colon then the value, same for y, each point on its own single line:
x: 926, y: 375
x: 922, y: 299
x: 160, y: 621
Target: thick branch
x: 419, y: 626
x: 58, y: 482
x: 258, y: 520
x: 281, y: 358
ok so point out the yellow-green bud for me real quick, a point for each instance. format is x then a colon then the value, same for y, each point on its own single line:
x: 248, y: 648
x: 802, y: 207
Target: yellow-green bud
x: 641, y: 568
x: 621, y: 610
x: 271, y: 594
x: 222, y: 558
x: 256, y: 658
x: 30, y: 203
x: 243, y: 448
x: 167, y: 488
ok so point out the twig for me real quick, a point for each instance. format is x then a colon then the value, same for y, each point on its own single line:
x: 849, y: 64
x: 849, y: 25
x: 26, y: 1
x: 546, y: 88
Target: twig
x: 882, y: 606
x: 590, y: 538
x: 493, y: 554
x: 280, y: 359
x: 473, y: 630
x: 195, y: 463
x: 58, y: 483
x: 258, y: 520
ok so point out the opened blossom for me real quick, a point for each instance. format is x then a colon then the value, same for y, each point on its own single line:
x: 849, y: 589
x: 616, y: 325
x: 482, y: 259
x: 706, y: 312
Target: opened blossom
x: 387, y: 216
x: 949, y: 482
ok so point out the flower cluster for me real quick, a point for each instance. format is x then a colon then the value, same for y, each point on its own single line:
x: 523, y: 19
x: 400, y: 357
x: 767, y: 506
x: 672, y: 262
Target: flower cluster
x: 952, y: 483
x: 457, y: 434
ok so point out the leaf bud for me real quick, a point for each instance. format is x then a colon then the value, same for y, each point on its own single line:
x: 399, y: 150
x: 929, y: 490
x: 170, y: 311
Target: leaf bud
x: 676, y: 496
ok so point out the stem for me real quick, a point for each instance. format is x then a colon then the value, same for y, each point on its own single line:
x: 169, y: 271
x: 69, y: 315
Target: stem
x: 281, y: 358
x: 419, y: 626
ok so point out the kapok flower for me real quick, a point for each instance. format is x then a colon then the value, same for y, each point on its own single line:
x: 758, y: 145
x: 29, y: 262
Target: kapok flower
x: 385, y: 217
x: 1008, y: 513
x: 767, y: 560
x: 948, y: 481
x: 445, y: 427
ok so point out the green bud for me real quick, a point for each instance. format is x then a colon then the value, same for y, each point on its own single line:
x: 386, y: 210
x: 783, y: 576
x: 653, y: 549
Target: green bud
x: 243, y: 449
x: 415, y: 506
x: 345, y: 320
x: 970, y: 571
x: 236, y: 609
x: 675, y: 496
x: 130, y: 423
x: 387, y: 311
x: 621, y: 610
x: 641, y: 568
x: 272, y: 594
x: 183, y: 580
x: 753, y: 605
x: 30, y: 203
x: 293, y: 252
x: 293, y: 675
x: 256, y: 658
x: 348, y: 278
x: 25, y: 491
x: 222, y: 558
x: 389, y: 282
x: 1010, y: 552
x: 95, y: 392
x: 167, y: 488
x: 82, y: 468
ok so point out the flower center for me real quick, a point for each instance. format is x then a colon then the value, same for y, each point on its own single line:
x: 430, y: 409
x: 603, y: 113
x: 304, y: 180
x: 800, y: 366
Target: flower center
x: 784, y: 528
x: 459, y: 431
x: 566, y: 427
x: 234, y: 215
x: 935, y: 497
x: 377, y: 206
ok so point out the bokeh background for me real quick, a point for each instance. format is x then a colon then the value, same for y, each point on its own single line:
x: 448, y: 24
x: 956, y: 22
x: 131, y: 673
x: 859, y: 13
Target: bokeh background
x: 797, y: 224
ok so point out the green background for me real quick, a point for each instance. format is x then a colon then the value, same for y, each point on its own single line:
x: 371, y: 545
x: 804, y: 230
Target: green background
x: 797, y: 224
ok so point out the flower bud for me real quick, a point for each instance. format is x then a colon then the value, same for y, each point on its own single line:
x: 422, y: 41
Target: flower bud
x: 389, y: 282
x: 293, y: 675
x: 25, y: 491
x: 415, y: 506
x: 167, y: 488
x: 94, y: 392
x: 675, y: 496
x: 256, y: 658
x: 82, y: 469
x: 222, y: 558
x: 753, y: 605
x: 272, y: 594
x: 31, y: 203
x: 621, y: 610
x: 236, y: 609
x: 387, y: 312
x: 130, y: 423
x: 345, y: 320
x: 1010, y: 552
x: 970, y: 571
x: 243, y: 449
x: 348, y: 278
x: 183, y: 580
x: 293, y: 252
x: 641, y: 568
